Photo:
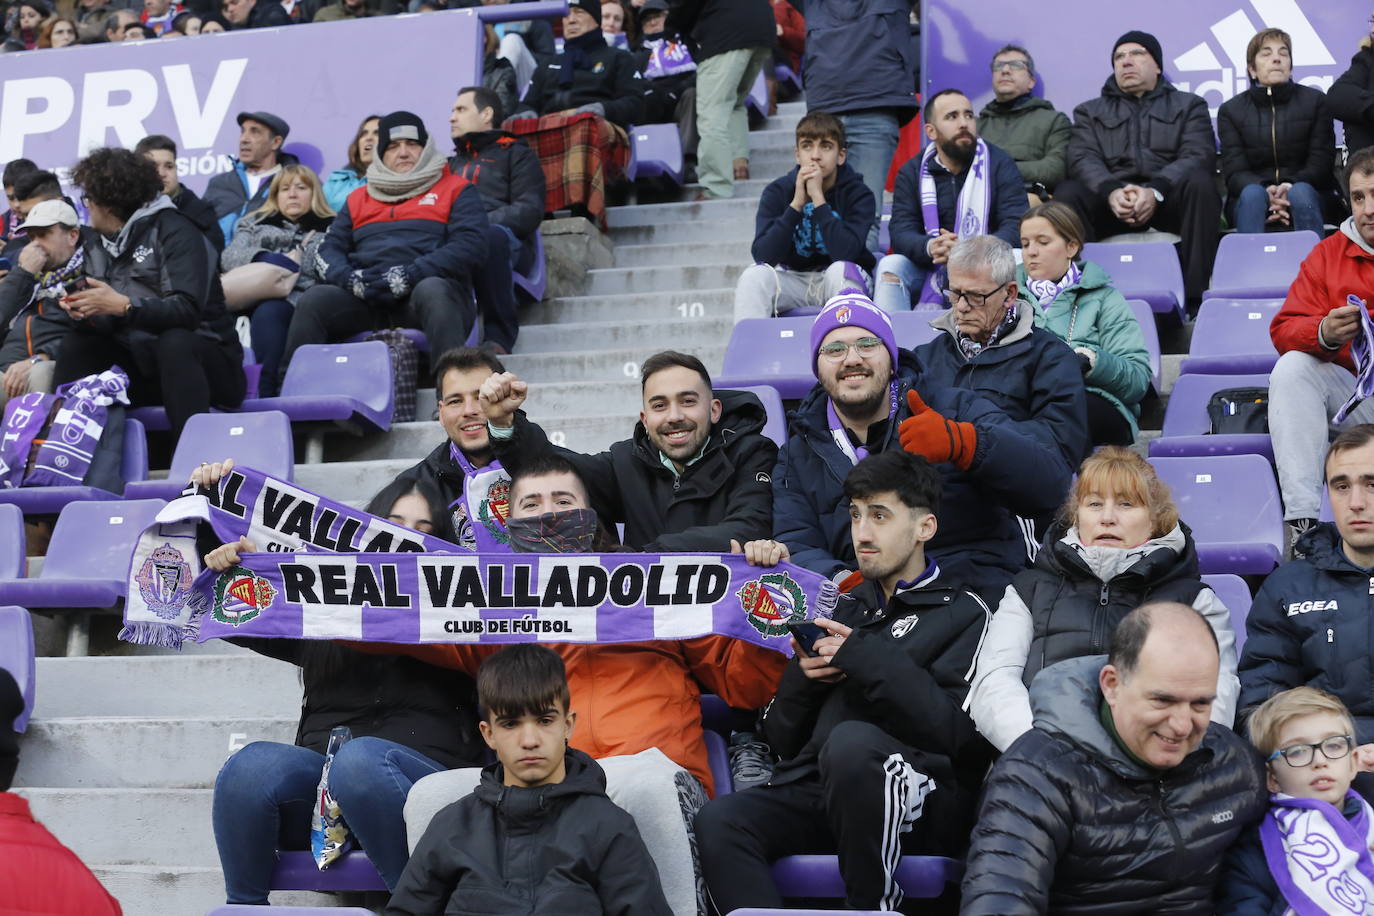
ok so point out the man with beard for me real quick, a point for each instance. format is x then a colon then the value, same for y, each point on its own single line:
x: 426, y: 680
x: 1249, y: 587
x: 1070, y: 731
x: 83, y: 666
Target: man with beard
x: 977, y: 190
x: 870, y: 396
x: 695, y: 475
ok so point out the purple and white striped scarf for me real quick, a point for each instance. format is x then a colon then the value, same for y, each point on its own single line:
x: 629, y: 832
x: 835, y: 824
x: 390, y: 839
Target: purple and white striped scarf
x: 1319, y: 858
x: 78, y: 412
x: 970, y: 210
x: 1046, y: 291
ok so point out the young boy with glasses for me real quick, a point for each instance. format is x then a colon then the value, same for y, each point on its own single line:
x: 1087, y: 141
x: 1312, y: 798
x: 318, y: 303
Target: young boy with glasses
x: 1310, y: 855
x: 811, y: 229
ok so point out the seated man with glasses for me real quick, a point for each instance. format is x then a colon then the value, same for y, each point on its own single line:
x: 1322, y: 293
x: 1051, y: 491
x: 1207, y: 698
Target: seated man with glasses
x: 1309, y: 623
x: 1306, y: 737
x: 870, y: 396
x: 959, y: 186
x: 1028, y: 129
x: 992, y: 347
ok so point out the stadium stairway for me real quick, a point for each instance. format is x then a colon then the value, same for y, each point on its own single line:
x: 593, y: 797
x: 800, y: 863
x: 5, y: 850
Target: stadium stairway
x: 123, y: 749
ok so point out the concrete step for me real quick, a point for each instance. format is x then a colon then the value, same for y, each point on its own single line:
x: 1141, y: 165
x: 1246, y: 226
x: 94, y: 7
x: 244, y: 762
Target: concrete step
x: 737, y: 208
x: 154, y: 890
x: 718, y: 251
x: 150, y: 826
x: 611, y: 280
x: 592, y: 365
x: 571, y: 310
x: 354, y: 482
x: 671, y: 333
x: 581, y: 433
x: 147, y: 753
x: 737, y: 228
x: 748, y: 187
x: 167, y: 685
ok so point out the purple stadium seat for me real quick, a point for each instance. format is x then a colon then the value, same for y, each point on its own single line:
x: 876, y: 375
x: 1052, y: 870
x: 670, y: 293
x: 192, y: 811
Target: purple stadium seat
x: 1232, y: 504
x: 1143, y: 270
x: 239, y: 909
x: 16, y: 657
x: 1145, y: 317
x: 336, y: 382
x: 1186, y: 425
x: 1259, y: 265
x: 13, y: 549
x: 87, y: 565
x: 252, y: 377
x: 534, y: 284
x: 154, y: 419
x: 133, y: 465
x: 819, y: 876
x: 718, y: 757
x: 770, y: 351
x: 913, y: 328
x: 656, y: 149
x: 785, y: 77
x: 1235, y: 594
x: 309, y: 155
x: 757, y: 100
x: 1232, y: 336
x: 259, y: 440
x: 775, y: 427
x: 296, y: 871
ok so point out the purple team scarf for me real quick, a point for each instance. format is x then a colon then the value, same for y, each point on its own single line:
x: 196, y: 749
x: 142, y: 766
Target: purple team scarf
x: 667, y: 58
x: 74, y: 419
x: 1046, y: 291
x: 277, y: 516
x: 841, y: 436
x: 479, y: 515
x: 1319, y: 858
x: 415, y: 598
x: 1362, y: 355
x: 970, y: 210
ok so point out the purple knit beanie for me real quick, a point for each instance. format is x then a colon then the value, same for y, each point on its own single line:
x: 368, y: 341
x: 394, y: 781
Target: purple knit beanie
x: 853, y: 308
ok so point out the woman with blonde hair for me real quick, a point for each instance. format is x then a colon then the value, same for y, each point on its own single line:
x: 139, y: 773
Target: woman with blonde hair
x: 1118, y: 544
x: 285, y: 232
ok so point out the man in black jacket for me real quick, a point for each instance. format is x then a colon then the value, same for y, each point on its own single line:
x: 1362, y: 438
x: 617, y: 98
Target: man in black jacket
x: 162, y: 150
x: 1143, y: 155
x: 1351, y: 98
x: 462, y: 468
x: 1309, y: 623
x: 878, y: 754
x: 152, y: 303
x: 51, y: 263
x: 511, y: 181
x: 589, y: 76
x: 1123, y: 797
x: 255, y: 14
x: 695, y: 475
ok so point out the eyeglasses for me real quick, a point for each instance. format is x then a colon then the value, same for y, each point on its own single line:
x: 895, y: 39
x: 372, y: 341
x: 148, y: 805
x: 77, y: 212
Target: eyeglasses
x: 1300, y: 755
x: 1013, y: 65
x: 837, y: 351
x: 977, y: 300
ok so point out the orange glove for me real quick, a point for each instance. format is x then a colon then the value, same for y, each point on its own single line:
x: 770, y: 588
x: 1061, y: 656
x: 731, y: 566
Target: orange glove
x: 929, y: 434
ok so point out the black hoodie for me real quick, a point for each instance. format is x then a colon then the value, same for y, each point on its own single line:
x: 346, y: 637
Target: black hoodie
x: 814, y: 238
x: 724, y: 495
x: 558, y: 850
x: 508, y: 176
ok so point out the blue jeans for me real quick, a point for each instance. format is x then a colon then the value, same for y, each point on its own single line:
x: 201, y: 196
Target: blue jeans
x: 265, y: 793
x: 269, y: 322
x: 897, y: 296
x: 872, y: 142
x: 1251, y: 209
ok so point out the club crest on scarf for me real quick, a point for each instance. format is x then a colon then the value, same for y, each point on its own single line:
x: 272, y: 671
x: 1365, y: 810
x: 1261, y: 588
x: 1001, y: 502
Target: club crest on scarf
x: 240, y: 596
x: 771, y: 602
x: 164, y: 581
x: 495, y: 509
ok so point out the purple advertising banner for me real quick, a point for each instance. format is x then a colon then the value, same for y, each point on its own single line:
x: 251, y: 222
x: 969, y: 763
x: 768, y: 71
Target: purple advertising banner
x: 1071, y: 40
x: 322, y: 79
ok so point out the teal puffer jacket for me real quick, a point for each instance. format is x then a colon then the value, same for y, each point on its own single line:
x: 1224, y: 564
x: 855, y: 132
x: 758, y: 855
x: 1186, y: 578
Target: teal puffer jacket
x: 1093, y: 314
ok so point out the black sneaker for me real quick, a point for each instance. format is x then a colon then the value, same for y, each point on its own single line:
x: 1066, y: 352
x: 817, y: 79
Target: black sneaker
x: 751, y: 760
x: 1297, y: 528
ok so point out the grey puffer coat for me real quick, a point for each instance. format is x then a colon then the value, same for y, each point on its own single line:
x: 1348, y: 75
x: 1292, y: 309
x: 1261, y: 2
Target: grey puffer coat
x: 256, y: 233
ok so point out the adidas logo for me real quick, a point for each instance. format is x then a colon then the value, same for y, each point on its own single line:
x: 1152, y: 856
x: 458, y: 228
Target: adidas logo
x: 1219, y: 61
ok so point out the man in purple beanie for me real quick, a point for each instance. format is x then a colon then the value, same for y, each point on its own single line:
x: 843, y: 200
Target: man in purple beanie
x: 870, y: 396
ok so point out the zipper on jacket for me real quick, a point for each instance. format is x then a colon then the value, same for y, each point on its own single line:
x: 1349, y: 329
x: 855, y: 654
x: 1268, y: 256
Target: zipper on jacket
x: 1179, y: 849
x: 1330, y: 635
x: 1371, y: 585
x: 1104, y: 595
x: 1273, y: 131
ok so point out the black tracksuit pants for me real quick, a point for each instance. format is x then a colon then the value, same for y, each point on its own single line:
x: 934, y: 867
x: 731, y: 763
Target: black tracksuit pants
x: 870, y: 803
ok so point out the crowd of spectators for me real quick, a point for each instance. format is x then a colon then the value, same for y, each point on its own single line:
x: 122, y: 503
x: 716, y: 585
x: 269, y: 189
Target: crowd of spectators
x: 1025, y: 668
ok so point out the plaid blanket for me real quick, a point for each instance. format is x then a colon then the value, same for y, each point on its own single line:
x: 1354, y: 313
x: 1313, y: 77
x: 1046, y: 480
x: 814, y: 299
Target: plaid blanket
x: 579, y: 153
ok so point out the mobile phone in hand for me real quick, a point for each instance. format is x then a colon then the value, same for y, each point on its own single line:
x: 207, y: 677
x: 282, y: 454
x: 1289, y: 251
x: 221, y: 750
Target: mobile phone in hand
x: 806, y: 633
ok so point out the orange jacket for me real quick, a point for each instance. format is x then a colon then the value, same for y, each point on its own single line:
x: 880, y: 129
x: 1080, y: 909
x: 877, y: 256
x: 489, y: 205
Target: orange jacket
x: 630, y: 697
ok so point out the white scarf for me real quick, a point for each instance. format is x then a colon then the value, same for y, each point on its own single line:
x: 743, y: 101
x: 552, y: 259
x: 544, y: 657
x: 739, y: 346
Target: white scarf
x: 1318, y: 857
x: 970, y: 210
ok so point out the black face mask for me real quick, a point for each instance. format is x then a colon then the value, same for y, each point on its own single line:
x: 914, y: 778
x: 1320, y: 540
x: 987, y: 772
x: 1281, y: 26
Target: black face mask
x: 564, y: 531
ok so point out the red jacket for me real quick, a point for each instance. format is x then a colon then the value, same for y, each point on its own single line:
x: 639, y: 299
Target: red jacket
x: 1336, y: 268
x: 38, y: 875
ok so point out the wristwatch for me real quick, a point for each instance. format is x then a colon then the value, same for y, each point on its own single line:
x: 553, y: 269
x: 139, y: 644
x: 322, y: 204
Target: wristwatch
x: 1159, y: 195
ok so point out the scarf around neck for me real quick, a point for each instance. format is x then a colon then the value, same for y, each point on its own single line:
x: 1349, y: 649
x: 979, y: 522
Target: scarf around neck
x: 563, y: 531
x: 1318, y: 857
x: 970, y: 210
x: 577, y: 54
x: 841, y: 435
x: 50, y: 284
x: 971, y: 348
x: 392, y: 187
x: 480, y: 514
x: 1046, y: 291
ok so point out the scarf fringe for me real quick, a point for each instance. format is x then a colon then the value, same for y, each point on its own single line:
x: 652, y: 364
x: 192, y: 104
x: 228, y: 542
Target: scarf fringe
x: 163, y: 635
x: 828, y: 599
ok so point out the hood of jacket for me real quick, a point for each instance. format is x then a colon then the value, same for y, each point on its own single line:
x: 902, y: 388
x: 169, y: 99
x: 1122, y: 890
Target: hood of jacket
x: 1170, y: 556
x: 741, y: 413
x: 1321, y: 546
x: 517, y: 805
x: 1026, y: 102
x: 115, y: 246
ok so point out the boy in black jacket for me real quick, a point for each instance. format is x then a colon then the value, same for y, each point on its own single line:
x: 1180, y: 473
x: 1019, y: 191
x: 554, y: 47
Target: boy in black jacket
x: 879, y: 758
x: 539, y: 835
x: 811, y: 229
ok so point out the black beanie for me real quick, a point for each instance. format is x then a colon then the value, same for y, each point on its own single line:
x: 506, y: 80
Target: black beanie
x: 590, y: 7
x: 400, y: 125
x: 1146, y: 41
